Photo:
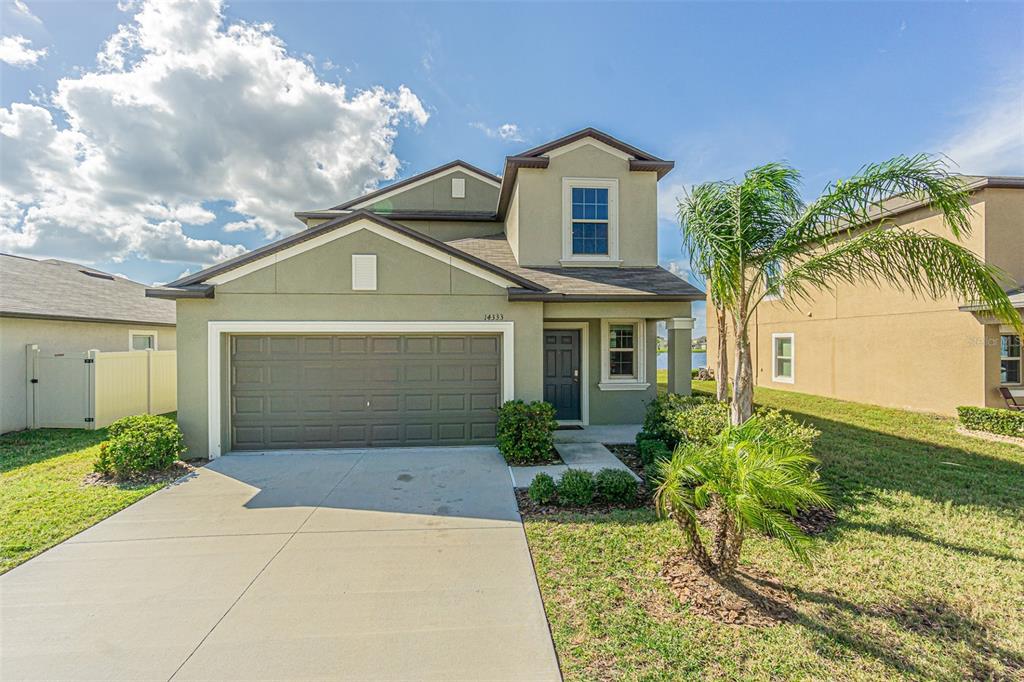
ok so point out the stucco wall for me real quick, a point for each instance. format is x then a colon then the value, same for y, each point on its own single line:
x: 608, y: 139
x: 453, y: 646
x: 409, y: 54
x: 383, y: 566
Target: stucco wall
x: 540, y: 206
x: 316, y: 285
x: 436, y: 195
x: 55, y: 336
x: 883, y: 346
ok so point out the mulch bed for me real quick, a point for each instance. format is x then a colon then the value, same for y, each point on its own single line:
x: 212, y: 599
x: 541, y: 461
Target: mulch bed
x: 630, y: 456
x: 749, y: 598
x: 552, y: 458
x: 172, y: 473
x: 530, y: 509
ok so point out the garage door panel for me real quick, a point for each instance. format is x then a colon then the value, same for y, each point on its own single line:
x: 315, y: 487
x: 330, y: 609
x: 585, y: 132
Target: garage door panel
x: 364, y: 390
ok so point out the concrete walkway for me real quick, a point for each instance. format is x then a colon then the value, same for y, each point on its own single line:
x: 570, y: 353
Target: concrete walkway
x: 581, y: 449
x: 361, y: 565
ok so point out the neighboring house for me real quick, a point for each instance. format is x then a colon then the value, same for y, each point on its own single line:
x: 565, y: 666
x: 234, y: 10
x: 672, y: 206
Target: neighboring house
x: 408, y: 315
x: 63, y: 308
x: 886, y: 347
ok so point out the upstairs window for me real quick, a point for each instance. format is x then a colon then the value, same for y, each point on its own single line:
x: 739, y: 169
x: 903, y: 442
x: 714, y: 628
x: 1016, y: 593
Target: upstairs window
x: 589, y: 221
x: 772, y: 274
x: 1009, y: 359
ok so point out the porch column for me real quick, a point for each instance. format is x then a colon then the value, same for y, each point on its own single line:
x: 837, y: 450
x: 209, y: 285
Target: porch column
x: 680, y: 337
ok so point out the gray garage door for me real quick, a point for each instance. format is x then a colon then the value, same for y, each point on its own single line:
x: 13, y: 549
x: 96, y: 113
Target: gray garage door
x: 344, y: 391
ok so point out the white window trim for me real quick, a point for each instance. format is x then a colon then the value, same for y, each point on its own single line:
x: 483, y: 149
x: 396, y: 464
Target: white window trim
x: 132, y: 333
x: 369, y: 285
x: 217, y: 329
x: 1018, y: 358
x: 584, y: 329
x: 792, y: 358
x: 637, y: 383
x: 568, y: 258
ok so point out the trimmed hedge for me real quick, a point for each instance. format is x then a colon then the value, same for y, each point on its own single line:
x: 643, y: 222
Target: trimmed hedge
x: 615, y: 486
x: 139, y: 444
x: 542, y: 489
x: 993, y: 420
x: 526, y: 431
x: 659, y: 411
x: 576, y: 488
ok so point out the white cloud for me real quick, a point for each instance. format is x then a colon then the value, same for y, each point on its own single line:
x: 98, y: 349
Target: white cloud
x: 22, y: 11
x: 991, y: 138
x: 508, y: 132
x: 681, y: 269
x: 184, y: 109
x: 17, y: 51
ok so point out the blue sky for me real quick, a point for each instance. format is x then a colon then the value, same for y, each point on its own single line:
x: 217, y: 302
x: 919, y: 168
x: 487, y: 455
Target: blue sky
x: 716, y: 87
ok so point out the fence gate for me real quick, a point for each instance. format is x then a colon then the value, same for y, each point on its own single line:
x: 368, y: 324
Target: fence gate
x: 60, y: 391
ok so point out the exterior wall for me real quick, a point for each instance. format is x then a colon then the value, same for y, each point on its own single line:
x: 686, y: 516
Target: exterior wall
x: 540, y: 207
x: 882, y: 346
x: 55, y: 336
x: 316, y: 285
x: 512, y: 222
x: 436, y: 195
x: 446, y: 230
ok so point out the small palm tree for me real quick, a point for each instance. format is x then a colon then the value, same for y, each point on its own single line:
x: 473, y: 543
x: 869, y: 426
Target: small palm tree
x: 752, y: 478
x: 756, y: 239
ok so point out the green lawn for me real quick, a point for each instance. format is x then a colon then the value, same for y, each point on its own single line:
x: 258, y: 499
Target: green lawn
x: 42, y: 499
x: 922, y: 577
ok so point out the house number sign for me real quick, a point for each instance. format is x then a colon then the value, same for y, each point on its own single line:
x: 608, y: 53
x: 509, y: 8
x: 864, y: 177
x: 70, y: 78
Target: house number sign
x: 490, y: 317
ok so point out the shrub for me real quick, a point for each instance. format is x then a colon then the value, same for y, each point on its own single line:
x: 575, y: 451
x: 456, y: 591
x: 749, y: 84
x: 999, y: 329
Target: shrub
x: 698, y: 423
x: 651, y: 451
x: 576, y: 488
x: 615, y: 486
x: 656, y: 426
x: 139, y: 444
x: 525, y: 431
x: 542, y: 489
x: 992, y: 420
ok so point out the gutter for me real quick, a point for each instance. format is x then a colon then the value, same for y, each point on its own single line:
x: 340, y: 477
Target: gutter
x: 78, y: 318
x: 173, y: 293
x: 524, y: 295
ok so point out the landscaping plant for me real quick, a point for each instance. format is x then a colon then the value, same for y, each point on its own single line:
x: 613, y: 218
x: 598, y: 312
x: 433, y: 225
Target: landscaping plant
x: 993, y: 420
x: 140, y: 444
x: 752, y: 478
x: 756, y: 239
x: 615, y: 486
x: 542, y: 489
x: 576, y: 488
x: 526, y: 431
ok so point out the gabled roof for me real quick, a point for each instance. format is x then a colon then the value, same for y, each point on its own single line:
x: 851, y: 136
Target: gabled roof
x: 60, y: 290
x: 639, y: 160
x: 197, y: 286
x: 418, y: 178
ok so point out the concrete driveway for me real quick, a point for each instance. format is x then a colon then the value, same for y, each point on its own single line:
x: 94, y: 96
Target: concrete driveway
x: 363, y: 565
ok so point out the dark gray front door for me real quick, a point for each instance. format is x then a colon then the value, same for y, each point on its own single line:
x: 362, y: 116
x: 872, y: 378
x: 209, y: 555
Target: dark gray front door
x: 562, y: 372
x: 338, y: 391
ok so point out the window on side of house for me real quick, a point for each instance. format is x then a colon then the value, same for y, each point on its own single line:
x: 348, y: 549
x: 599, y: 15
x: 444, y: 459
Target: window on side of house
x: 772, y: 274
x: 1009, y: 359
x: 589, y: 221
x: 783, y: 355
x: 141, y: 340
x: 622, y: 351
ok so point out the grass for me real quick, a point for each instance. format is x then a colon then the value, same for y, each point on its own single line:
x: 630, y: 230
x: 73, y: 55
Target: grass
x: 922, y: 577
x: 42, y: 498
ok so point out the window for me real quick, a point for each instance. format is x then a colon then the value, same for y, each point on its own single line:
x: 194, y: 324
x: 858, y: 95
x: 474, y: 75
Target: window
x: 782, y: 358
x: 141, y: 340
x: 458, y: 188
x: 364, y: 272
x: 622, y: 351
x: 590, y: 228
x: 772, y: 274
x: 622, y: 360
x: 1009, y: 359
x: 589, y: 221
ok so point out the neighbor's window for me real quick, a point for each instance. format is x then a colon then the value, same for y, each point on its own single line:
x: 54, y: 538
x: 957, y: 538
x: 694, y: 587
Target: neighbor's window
x: 590, y: 221
x: 782, y: 357
x: 622, y: 351
x: 143, y: 341
x: 1009, y: 359
x: 772, y: 274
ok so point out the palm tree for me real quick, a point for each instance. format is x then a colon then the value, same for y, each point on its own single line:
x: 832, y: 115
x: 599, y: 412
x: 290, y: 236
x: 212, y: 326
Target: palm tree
x: 756, y: 239
x: 753, y: 478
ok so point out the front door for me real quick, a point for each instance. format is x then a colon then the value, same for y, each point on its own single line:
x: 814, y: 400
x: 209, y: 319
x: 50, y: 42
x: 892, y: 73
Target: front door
x: 562, y: 372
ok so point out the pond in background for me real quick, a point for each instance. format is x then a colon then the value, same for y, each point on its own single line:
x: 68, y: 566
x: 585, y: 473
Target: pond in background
x: 700, y: 359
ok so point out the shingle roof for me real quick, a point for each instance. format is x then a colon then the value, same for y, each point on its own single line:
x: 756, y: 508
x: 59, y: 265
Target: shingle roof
x: 58, y: 289
x: 603, y: 283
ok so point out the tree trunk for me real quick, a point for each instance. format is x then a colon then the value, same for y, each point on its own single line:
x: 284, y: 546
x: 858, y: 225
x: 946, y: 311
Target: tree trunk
x: 722, y: 366
x: 742, y: 406
x: 698, y: 552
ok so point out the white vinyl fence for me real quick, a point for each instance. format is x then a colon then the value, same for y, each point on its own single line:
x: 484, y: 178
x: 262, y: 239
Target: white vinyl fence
x: 90, y: 390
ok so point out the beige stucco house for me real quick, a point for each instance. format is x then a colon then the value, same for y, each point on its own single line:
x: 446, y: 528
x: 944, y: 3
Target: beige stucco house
x: 64, y: 307
x: 408, y: 315
x: 882, y: 345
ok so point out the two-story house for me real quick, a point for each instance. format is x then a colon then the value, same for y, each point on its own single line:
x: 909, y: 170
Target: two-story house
x: 883, y: 346
x: 408, y: 315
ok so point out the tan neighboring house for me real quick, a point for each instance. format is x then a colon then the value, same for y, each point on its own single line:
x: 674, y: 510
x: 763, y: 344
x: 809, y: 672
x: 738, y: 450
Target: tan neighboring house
x: 885, y: 347
x: 408, y: 315
x: 65, y: 307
